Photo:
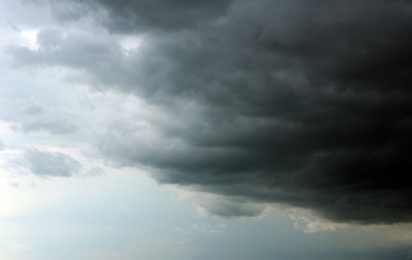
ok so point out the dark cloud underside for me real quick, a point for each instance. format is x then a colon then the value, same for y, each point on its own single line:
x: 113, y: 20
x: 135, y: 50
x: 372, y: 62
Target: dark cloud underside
x: 306, y: 103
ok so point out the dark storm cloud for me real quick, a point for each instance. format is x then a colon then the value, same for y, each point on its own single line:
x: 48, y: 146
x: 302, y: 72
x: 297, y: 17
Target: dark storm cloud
x: 306, y: 103
x: 51, y: 164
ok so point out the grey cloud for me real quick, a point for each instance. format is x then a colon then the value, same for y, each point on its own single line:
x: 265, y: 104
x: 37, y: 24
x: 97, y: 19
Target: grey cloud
x: 51, y: 164
x: 95, y: 171
x: 14, y: 184
x: 29, y: 116
x: 163, y: 14
x: 72, y: 11
x: 130, y: 15
x: 83, y: 51
x: 306, y: 103
x: 53, y: 126
x: 78, y: 49
x: 2, y: 147
x: 50, y: 39
x: 230, y: 209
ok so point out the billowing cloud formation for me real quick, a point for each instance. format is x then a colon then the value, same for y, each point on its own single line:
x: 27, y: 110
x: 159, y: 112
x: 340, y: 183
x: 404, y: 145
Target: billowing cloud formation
x: 306, y: 103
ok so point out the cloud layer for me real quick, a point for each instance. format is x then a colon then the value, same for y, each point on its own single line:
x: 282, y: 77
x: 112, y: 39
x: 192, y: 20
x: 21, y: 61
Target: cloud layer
x: 306, y: 103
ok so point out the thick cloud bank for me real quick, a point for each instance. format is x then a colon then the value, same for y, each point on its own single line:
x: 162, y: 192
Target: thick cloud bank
x: 306, y: 103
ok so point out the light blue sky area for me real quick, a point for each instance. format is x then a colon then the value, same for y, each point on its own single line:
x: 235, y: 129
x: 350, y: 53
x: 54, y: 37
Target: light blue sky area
x: 126, y: 215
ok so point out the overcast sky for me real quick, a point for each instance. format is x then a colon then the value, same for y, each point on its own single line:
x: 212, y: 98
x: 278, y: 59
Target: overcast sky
x: 207, y: 129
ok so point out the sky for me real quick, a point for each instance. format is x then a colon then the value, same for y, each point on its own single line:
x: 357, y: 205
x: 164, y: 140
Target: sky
x: 197, y: 130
